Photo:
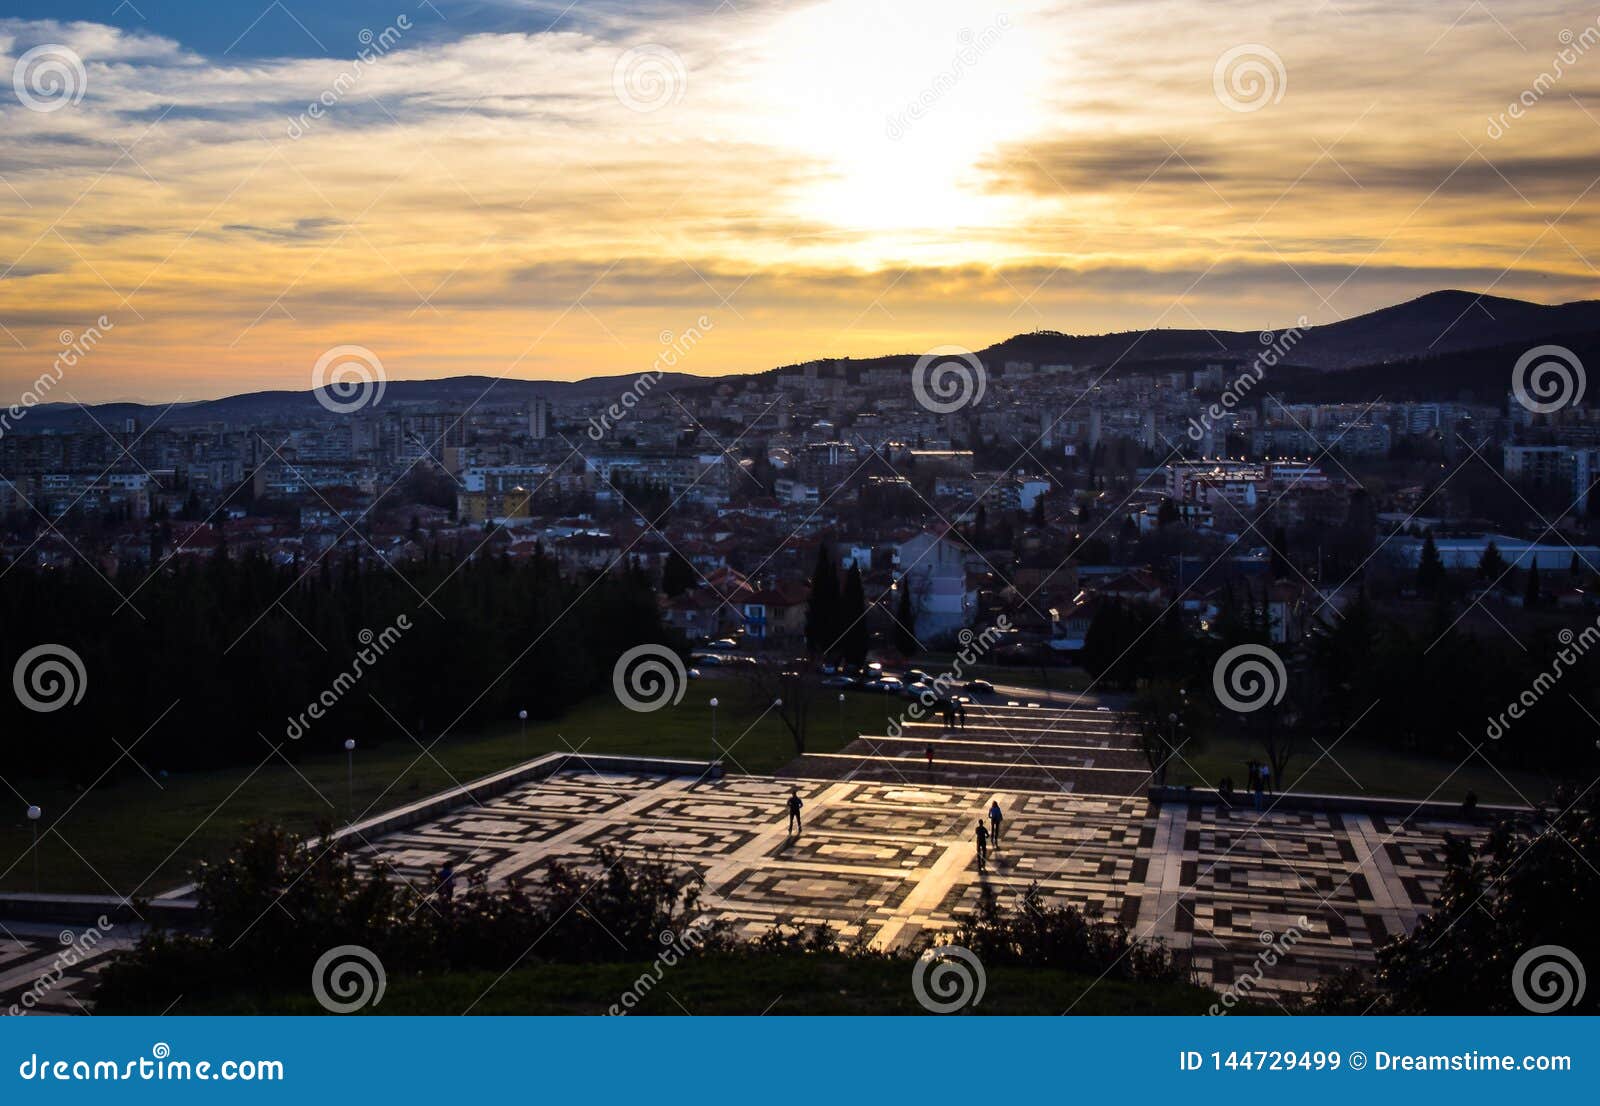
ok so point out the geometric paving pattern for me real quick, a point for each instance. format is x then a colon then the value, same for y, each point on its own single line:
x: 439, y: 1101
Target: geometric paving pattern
x: 35, y: 980
x: 887, y: 862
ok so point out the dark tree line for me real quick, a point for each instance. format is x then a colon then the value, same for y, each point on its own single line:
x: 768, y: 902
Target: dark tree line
x: 239, y: 647
x: 1438, y: 690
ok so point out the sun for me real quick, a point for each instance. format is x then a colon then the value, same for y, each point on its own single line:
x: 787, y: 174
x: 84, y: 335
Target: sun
x: 895, y: 106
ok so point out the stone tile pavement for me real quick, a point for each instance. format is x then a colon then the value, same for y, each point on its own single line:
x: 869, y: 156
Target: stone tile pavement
x: 892, y: 860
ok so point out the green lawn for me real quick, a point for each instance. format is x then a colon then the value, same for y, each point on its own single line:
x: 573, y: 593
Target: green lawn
x: 1375, y: 772
x: 127, y: 835
x: 747, y: 985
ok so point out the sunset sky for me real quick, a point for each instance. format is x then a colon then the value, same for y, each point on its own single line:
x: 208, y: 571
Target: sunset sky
x: 517, y: 189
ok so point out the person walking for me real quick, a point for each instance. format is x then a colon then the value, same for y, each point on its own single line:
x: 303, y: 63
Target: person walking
x: 794, y: 811
x: 983, y: 845
x: 447, y: 881
x: 930, y: 756
x: 995, y: 817
x: 961, y: 715
x: 1260, y: 789
x: 1266, y: 777
x: 1252, y: 775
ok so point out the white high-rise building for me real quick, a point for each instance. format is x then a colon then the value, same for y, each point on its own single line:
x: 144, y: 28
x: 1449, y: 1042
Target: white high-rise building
x: 539, y: 418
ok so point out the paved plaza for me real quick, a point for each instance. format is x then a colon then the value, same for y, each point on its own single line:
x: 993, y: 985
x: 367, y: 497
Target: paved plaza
x: 890, y: 859
x: 887, y: 852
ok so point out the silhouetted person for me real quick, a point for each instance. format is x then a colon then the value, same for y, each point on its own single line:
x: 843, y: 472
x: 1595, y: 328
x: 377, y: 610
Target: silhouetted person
x: 983, y: 845
x: 794, y: 810
x: 930, y: 756
x: 949, y: 709
x: 994, y: 821
x: 1261, y: 787
x: 1252, y: 775
x: 1469, y: 806
x: 961, y: 715
x: 447, y: 881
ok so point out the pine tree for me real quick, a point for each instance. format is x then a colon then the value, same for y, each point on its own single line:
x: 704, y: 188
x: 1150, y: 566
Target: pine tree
x: 1491, y: 566
x: 677, y: 575
x: 853, y: 617
x: 905, y: 637
x: 1430, y: 569
x: 822, y: 611
x: 1531, y: 596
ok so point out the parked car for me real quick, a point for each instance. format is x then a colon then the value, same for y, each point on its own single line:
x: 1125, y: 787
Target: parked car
x: 708, y: 660
x: 722, y: 644
x: 980, y: 687
x: 839, y: 681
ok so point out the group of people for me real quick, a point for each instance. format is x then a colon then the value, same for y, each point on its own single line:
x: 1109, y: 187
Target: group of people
x: 988, y: 836
x: 1258, y: 782
x: 955, y: 714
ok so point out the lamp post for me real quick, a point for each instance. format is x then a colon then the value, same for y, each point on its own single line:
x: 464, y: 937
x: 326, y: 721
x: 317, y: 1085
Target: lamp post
x: 34, y: 814
x: 1171, y: 748
x: 713, y: 734
x: 841, y: 716
x: 522, y: 719
x: 350, y: 777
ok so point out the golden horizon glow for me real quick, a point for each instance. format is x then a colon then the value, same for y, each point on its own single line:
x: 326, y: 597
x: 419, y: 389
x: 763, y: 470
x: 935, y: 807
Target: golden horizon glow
x: 821, y: 179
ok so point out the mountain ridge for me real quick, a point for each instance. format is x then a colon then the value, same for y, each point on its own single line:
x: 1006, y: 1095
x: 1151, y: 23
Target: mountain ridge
x: 1436, y: 323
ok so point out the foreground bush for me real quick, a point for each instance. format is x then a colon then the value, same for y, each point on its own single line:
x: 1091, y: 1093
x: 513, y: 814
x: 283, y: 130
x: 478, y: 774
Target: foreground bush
x: 1512, y: 931
x: 280, y: 901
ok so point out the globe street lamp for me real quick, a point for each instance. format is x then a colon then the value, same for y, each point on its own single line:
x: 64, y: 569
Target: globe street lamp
x: 350, y: 777
x: 841, y: 716
x: 522, y: 718
x: 34, y: 814
x: 714, y: 749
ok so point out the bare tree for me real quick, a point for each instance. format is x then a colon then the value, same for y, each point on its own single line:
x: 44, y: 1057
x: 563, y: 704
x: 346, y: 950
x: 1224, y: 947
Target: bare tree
x: 787, y: 685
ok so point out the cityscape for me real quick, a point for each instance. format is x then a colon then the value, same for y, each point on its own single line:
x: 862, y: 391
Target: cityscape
x: 509, y: 511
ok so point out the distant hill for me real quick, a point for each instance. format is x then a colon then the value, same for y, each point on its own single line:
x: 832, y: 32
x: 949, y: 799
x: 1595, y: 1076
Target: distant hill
x: 1438, y: 323
x: 1444, y: 345
x: 463, y: 390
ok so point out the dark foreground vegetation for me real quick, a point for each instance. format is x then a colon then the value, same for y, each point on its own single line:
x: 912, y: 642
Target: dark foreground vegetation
x: 1514, y: 917
x: 579, y: 937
